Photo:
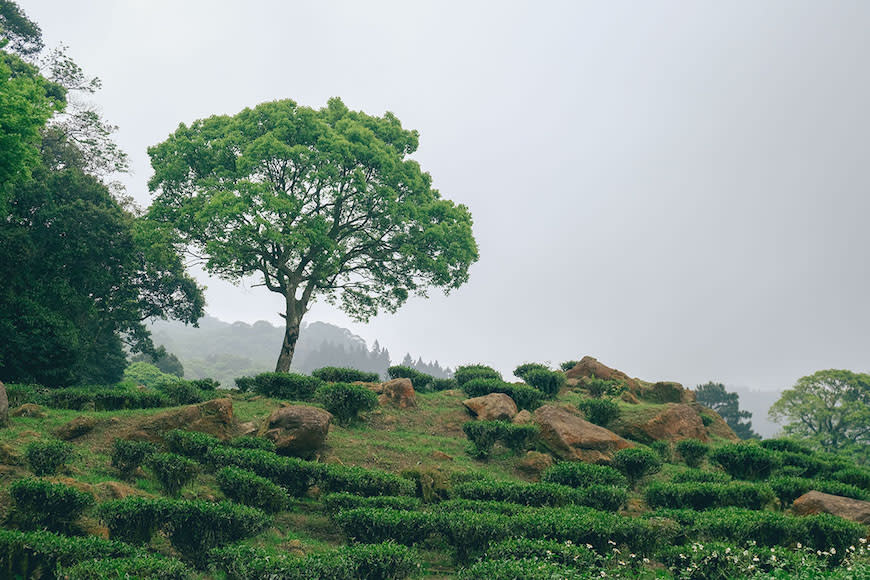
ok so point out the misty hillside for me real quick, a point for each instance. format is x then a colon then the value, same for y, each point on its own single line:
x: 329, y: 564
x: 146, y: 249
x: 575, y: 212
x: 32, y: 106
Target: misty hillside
x: 224, y: 350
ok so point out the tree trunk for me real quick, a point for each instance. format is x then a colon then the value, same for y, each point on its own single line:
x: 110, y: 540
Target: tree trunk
x: 288, y: 347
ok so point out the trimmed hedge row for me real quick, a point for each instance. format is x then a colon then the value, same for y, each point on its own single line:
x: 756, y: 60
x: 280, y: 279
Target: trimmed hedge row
x: 79, y: 398
x: 746, y: 460
x: 466, y: 373
x: 788, y: 488
x: 524, y: 396
x: 346, y: 401
x: 249, y: 489
x: 485, y: 434
x: 54, y: 506
x: 172, y: 471
x: 145, y: 566
x: 291, y: 386
x: 45, y: 457
x: 581, y: 474
x: 191, y: 444
x: 525, y: 569
x: 703, y: 496
x: 602, y: 497
x: 24, y: 554
x: 345, y: 375
x: 127, y: 456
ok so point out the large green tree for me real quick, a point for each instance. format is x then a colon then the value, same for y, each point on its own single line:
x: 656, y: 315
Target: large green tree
x: 317, y: 203
x: 830, y: 409
x: 727, y: 405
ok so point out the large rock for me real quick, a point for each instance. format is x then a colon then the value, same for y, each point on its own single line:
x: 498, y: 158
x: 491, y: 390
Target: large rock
x: 398, y: 393
x: 297, y: 430
x: 816, y: 502
x: 31, y: 410
x: 4, y: 406
x: 534, y: 464
x: 675, y: 422
x: 79, y: 426
x: 589, y: 367
x: 214, y: 417
x: 668, y: 392
x: 570, y: 437
x: 523, y: 418
x: 492, y: 407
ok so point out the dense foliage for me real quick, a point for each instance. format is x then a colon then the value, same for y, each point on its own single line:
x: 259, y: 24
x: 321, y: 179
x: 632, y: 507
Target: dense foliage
x: 346, y: 401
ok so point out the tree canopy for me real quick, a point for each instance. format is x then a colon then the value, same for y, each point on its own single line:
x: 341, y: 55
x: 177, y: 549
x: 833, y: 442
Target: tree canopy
x: 727, y: 405
x: 318, y: 203
x: 830, y: 408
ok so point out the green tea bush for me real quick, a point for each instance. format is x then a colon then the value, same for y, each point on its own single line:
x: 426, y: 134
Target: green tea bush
x: 664, y: 449
x: 248, y: 442
x: 336, y: 502
x: 128, y: 456
x: 345, y: 375
x: 18, y: 394
x: 521, y: 371
x: 519, y: 438
x: 786, y: 445
x: 803, y: 465
x: 524, y: 396
x: 565, y: 553
x: 294, y: 475
x: 580, y: 474
x: 134, y: 519
x: 373, y: 525
x: 150, y: 567
x: 703, y: 496
x: 420, y: 381
x: 362, y: 481
x: 546, y: 381
x: 789, y: 488
x: 601, y: 497
x: 207, y: 384
x: 746, y: 460
x: 692, y: 451
x: 599, y: 411
x: 471, y: 533
x: 385, y: 561
x: 191, y: 444
x: 54, y: 506
x: 249, y: 489
x: 290, y: 386
x: 698, y: 476
x: 467, y: 373
x: 636, y: 463
x: 483, y: 435
x: 180, y: 392
x: 172, y: 471
x: 599, y: 387
x: 525, y: 569
x: 45, y: 457
x: 38, y: 554
x: 480, y: 506
x: 853, y: 476
x: 245, y: 384
x: 346, y: 401
x: 443, y: 384
x: 569, y: 364
x: 79, y: 398
x: 722, y: 561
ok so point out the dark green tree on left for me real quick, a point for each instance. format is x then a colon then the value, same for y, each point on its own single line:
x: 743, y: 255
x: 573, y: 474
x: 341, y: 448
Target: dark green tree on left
x: 714, y: 396
x: 80, y: 273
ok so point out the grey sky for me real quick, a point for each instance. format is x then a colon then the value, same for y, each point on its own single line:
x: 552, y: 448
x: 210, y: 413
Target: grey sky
x: 677, y: 188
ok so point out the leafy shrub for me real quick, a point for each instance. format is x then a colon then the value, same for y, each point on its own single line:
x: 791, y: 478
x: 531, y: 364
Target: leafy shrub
x: 295, y: 475
x: 565, y: 553
x: 181, y: 392
x: 285, y: 386
x: 702, y: 496
x: 362, y: 481
x: 45, y: 457
x: 524, y: 396
x: 134, y: 519
x: 786, y: 445
x: 599, y: 387
x: 853, y: 476
x: 519, y: 438
x: 245, y: 384
x: 569, y: 364
x: 722, y: 561
x: 248, y: 442
x: 385, y: 561
x: 527, y: 569
x: 599, y: 411
x: 467, y: 373
x: 663, y: 449
x: 127, y: 456
x: 191, y: 444
x: 151, y: 567
x: 602, y: 497
x: 420, y: 381
x: 481, y: 506
x: 51, y: 505
x: 34, y: 554
x: 470, y: 533
x: 483, y: 436
x: 443, y: 384
x: 698, y: 476
x: 803, y: 465
x: 692, y: 451
x: 521, y: 371
x: 207, y: 384
x: 636, y: 463
x: 580, y: 474
x: 345, y: 375
x: 372, y: 525
x: 346, y: 401
x: 102, y: 398
x: 548, y: 382
x: 335, y: 502
x: 746, y: 460
x: 249, y: 489
x: 147, y: 374
x: 18, y: 394
x: 172, y: 471
x: 789, y: 488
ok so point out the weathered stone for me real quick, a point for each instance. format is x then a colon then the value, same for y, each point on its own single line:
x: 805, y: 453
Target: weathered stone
x: 492, y: 407
x: 534, y: 464
x: 31, y: 410
x: 668, y: 392
x: 522, y: 418
x: 4, y: 406
x: 248, y: 429
x: 589, y: 367
x: 399, y: 393
x: 214, y: 417
x: 815, y: 502
x: 571, y: 437
x: 79, y: 426
x: 673, y: 423
x: 298, y: 430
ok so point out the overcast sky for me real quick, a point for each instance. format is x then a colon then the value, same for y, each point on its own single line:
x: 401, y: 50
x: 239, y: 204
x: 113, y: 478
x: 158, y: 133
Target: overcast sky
x: 677, y: 188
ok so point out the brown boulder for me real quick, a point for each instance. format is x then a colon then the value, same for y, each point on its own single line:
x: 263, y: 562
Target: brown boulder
x: 31, y: 410
x: 534, y: 464
x: 570, y: 437
x: 4, y: 406
x: 522, y: 418
x: 673, y: 423
x: 398, y: 393
x: 591, y: 368
x: 668, y: 392
x: 492, y: 407
x: 79, y: 426
x: 248, y: 429
x: 297, y: 430
x: 717, y: 427
x: 815, y: 502
x: 214, y: 417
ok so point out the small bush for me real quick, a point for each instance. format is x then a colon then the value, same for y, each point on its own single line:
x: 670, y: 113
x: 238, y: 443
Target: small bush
x: 346, y: 401
x: 294, y: 475
x: 205, y: 384
x: 786, y: 445
x: 702, y: 496
x: 38, y: 554
x: 191, y: 444
x: 467, y: 373
x: 692, y: 451
x: 362, y: 481
x: 250, y: 489
x: 134, y: 519
x: 524, y: 396
x: 172, y: 471
x: 548, y: 382
x: 525, y: 569
x: 569, y: 364
x: 372, y: 525
x: 597, y: 388
x: 698, y: 476
x: 51, y: 505
x: 345, y: 375
x: 521, y: 371
x: 481, y: 506
x: 602, y: 497
x: 483, y: 435
x: 146, y: 566
x: 245, y: 384
x: 746, y: 460
x: 853, y: 476
x: 181, y: 392
x: 443, y: 384
x: 45, y: 457
x: 128, y: 456
x: 519, y: 438
x: 636, y: 463
x: 290, y: 386
x: 248, y: 442
x: 599, y: 411
x: 420, y: 381
x: 579, y: 474
x: 663, y: 449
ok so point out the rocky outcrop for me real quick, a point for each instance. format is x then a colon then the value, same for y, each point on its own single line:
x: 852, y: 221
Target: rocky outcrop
x: 76, y: 428
x: 523, y: 418
x: 674, y: 422
x: 570, y: 437
x: 398, y: 393
x: 4, y: 406
x: 297, y: 430
x: 534, y: 464
x: 492, y: 407
x: 668, y: 392
x: 716, y: 425
x: 214, y: 417
x: 816, y: 502
x: 31, y: 410
x: 589, y: 367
